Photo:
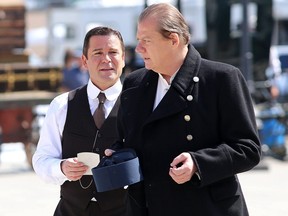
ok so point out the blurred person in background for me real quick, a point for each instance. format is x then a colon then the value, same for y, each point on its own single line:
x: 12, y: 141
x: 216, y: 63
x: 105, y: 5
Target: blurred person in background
x: 279, y: 87
x: 73, y: 73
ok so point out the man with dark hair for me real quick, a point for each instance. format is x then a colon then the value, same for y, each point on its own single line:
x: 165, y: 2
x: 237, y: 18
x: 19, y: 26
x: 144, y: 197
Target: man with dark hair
x: 69, y: 128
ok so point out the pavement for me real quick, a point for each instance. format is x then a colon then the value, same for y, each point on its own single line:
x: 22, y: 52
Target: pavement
x: 266, y: 189
x: 24, y: 193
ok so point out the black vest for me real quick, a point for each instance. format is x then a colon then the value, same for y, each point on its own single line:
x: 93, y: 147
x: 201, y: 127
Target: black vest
x: 78, y: 136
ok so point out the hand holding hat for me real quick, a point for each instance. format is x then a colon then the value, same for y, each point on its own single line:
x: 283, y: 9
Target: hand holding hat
x: 120, y: 169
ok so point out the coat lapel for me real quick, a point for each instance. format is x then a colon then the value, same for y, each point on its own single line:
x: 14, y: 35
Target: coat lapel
x: 137, y: 102
x: 182, y: 86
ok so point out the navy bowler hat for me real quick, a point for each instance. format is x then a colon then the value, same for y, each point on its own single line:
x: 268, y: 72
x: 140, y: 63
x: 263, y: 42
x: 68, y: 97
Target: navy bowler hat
x: 120, y: 169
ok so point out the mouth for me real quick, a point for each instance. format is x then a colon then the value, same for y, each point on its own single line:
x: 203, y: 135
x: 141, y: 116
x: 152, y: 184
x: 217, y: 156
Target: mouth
x: 107, y: 69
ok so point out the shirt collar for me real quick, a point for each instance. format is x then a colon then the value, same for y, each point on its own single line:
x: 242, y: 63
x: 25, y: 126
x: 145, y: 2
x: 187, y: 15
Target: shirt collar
x: 171, y: 78
x: 163, y: 83
x: 111, y: 93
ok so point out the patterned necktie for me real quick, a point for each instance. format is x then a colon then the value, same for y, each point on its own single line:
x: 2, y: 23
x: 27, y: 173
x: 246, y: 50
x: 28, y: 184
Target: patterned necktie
x: 99, y: 114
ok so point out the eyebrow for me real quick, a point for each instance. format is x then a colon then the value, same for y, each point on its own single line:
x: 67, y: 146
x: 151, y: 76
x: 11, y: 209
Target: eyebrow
x: 144, y: 37
x: 100, y: 49
x: 97, y: 49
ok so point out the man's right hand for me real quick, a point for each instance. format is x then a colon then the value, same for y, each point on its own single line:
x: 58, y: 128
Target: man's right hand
x: 73, y: 169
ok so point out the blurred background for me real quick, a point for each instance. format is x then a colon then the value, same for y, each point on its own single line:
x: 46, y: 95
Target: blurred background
x: 41, y: 40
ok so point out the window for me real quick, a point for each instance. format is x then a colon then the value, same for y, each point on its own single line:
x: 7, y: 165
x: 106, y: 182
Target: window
x: 63, y: 31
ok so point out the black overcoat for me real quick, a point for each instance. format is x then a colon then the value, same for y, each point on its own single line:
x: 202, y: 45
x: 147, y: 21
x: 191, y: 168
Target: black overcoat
x: 207, y: 112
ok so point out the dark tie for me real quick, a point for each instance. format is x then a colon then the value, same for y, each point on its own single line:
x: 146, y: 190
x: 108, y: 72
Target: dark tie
x: 99, y: 114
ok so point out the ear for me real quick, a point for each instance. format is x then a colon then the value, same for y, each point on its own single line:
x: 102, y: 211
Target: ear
x: 174, y: 39
x: 123, y: 59
x: 84, y: 61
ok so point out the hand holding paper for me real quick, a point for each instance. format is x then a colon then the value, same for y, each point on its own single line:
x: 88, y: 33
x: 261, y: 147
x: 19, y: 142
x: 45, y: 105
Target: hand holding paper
x: 90, y: 159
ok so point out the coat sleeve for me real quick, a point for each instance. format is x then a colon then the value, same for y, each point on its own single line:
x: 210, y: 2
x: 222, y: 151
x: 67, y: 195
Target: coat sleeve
x: 239, y: 149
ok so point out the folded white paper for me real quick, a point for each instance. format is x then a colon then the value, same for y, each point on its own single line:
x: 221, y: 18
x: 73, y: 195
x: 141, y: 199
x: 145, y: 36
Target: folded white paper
x: 90, y: 159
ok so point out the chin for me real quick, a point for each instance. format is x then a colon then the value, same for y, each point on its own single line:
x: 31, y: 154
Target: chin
x: 148, y: 67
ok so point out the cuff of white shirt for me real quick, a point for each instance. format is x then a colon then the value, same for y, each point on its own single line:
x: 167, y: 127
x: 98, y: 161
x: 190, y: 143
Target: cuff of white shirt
x: 57, y: 172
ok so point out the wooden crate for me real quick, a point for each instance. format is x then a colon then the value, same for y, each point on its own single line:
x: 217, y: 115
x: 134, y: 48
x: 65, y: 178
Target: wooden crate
x: 22, y: 77
x: 12, y: 28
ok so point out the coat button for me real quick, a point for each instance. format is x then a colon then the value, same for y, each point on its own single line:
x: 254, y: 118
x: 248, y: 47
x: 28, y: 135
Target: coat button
x: 196, y: 79
x: 189, y: 97
x: 187, y: 118
x: 189, y: 137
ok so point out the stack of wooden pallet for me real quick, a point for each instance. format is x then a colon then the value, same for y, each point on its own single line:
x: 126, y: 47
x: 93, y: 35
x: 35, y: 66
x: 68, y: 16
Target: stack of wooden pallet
x: 12, y: 31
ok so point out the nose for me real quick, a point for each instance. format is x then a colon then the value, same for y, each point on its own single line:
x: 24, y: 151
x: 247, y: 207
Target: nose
x: 106, y: 58
x: 139, y: 48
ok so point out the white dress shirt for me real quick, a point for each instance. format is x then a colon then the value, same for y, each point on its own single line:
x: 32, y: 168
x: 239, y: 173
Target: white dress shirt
x: 162, y: 88
x: 48, y: 156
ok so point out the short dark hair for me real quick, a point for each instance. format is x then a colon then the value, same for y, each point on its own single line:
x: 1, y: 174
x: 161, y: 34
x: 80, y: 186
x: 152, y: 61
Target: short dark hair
x: 101, y: 30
